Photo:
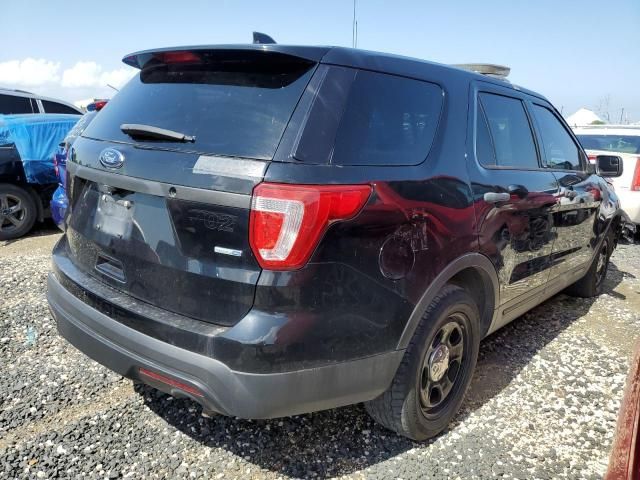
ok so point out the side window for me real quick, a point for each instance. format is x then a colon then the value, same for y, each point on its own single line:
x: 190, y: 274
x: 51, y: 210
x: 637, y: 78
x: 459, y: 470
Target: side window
x: 560, y: 149
x: 10, y: 104
x: 55, y: 107
x: 510, y: 131
x: 387, y: 120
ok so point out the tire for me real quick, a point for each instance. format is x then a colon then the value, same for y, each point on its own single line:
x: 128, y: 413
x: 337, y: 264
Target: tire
x: 591, y: 284
x: 410, y: 406
x: 18, y: 211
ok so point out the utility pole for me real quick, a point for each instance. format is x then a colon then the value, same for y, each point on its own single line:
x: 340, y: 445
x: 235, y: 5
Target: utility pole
x: 354, y: 28
x: 621, y: 115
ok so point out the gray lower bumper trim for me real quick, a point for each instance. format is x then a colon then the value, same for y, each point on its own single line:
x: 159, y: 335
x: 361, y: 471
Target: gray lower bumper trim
x: 245, y: 395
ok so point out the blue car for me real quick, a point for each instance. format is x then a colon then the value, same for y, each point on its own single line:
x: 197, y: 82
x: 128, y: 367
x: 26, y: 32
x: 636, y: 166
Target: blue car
x: 59, y: 201
x: 27, y: 175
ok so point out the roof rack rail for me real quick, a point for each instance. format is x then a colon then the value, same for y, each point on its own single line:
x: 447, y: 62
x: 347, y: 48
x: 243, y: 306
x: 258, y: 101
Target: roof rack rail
x: 16, y: 90
x: 488, y: 69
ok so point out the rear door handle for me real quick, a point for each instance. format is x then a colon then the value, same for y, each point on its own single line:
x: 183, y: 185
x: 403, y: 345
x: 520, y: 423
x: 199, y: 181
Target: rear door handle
x: 495, y: 197
x: 518, y: 190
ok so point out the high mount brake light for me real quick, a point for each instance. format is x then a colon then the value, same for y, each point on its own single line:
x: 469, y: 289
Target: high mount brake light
x: 287, y: 221
x: 177, y: 57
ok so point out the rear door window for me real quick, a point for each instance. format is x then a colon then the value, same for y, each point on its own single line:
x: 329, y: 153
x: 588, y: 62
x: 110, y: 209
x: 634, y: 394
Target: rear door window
x: 236, y: 104
x: 560, y: 150
x: 510, y: 131
x: 12, y: 104
x: 387, y: 120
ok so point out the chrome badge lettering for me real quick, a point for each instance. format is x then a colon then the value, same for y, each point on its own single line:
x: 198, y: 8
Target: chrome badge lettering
x: 213, y: 221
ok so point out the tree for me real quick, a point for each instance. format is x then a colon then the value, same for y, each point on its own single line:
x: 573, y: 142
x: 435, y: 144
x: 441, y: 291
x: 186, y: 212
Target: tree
x: 603, y: 107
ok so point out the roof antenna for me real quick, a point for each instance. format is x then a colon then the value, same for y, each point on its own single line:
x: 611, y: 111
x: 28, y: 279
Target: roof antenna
x: 262, y: 38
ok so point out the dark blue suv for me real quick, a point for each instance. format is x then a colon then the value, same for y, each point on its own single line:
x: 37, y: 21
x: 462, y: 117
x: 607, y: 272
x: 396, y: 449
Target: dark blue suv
x: 271, y: 230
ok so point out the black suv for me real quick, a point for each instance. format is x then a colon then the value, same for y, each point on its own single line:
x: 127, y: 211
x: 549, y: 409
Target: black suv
x: 271, y: 230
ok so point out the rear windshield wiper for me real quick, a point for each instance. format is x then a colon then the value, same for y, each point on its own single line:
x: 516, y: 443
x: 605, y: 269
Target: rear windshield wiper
x: 149, y: 132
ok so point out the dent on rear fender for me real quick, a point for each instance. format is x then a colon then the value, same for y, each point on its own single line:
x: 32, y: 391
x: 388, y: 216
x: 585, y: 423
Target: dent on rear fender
x: 323, y: 313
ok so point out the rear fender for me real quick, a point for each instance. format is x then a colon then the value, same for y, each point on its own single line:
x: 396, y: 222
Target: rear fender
x: 469, y: 261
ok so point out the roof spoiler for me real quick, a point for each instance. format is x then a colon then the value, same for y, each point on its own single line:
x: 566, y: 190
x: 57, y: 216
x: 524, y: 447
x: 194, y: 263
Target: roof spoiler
x: 262, y: 38
x: 488, y: 69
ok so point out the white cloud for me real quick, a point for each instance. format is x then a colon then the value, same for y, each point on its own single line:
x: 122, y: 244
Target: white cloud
x: 90, y: 74
x: 117, y: 78
x: 82, y: 74
x: 29, y: 72
x: 84, y: 79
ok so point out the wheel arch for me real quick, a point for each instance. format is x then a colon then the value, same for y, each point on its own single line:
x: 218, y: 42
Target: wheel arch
x: 467, y: 271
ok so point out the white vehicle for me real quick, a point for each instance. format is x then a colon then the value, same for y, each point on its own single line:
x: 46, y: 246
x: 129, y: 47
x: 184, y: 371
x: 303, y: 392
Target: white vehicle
x: 19, y: 101
x: 624, y: 141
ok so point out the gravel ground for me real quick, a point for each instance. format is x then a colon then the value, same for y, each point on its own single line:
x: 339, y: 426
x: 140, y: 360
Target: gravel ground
x: 543, y: 402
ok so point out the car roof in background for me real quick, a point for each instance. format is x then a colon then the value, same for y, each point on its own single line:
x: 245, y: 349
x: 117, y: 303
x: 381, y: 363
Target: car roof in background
x: 24, y: 93
x: 343, y: 56
x: 608, y: 129
x: 17, y: 91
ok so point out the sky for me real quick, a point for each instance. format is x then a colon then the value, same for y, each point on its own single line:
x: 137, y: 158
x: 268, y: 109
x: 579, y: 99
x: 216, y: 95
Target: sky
x: 576, y: 53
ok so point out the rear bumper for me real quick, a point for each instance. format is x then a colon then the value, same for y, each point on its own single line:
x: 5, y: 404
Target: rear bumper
x: 216, y: 386
x: 630, y: 203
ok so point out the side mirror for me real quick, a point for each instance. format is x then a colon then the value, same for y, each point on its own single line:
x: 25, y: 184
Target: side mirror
x: 608, y: 165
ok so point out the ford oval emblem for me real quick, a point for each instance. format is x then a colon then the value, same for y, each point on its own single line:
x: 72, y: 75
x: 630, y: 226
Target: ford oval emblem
x: 111, y: 158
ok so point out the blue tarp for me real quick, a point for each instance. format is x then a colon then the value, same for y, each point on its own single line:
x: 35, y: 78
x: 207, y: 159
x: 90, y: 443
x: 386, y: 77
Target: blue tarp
x: 36, y: 138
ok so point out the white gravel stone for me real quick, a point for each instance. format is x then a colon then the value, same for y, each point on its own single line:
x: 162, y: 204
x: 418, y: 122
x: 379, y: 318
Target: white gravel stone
x: 543, y: 402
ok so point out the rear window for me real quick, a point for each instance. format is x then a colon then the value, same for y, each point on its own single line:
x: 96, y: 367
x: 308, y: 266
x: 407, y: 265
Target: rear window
x: 79, y: 127
x: 387, y: 120
x: 235, y: 103
x: 611, y: 143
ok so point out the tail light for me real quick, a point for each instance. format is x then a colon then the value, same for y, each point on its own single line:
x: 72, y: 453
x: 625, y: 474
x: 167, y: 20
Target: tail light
x: 635, y: 184
x: 288, y: 221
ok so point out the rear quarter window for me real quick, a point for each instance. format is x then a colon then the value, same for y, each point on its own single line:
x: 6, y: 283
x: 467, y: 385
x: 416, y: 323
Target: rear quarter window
x: 55, y: 107
x: 387, y: 120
